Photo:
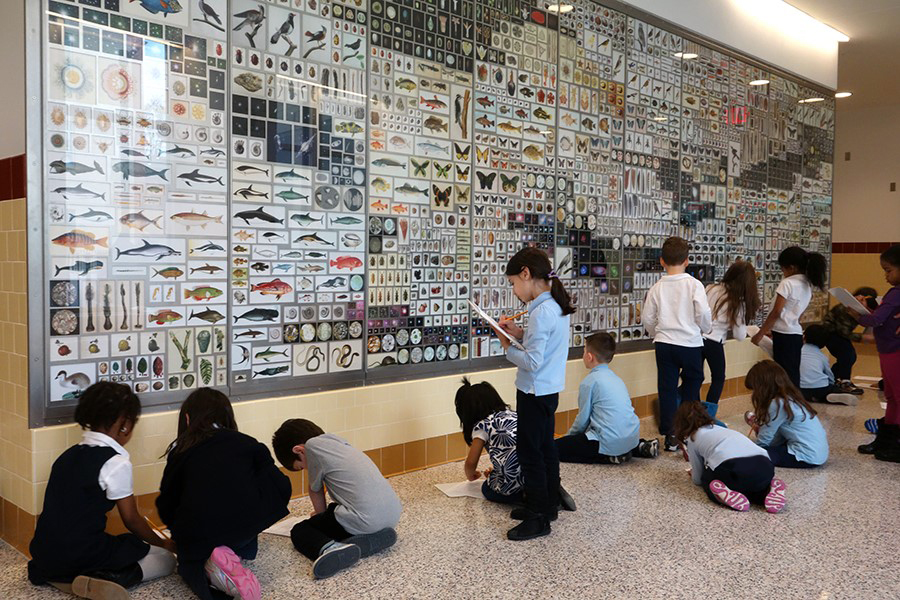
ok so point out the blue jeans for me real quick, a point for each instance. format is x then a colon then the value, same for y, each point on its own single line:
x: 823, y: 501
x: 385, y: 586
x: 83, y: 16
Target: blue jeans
x: 673, y: 362
x: 780, y: 457
x: 499, y: 498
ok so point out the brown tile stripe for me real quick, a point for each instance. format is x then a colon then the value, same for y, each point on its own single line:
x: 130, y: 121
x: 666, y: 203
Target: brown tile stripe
x: 17, y: 526
x: 13, y: 178
x: 860, y: 247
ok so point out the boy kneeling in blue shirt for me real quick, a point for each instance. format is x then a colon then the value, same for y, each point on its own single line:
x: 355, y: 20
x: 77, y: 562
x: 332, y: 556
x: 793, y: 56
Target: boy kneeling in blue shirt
x: 606, y: 428
x: 365, y: 509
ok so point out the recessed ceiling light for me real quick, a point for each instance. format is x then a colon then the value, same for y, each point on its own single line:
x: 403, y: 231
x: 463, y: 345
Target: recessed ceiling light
x: 810, y: 100
x: 843, y: 94
x: 685, y: 55
x: 760, y: 82
x: 560, y: 8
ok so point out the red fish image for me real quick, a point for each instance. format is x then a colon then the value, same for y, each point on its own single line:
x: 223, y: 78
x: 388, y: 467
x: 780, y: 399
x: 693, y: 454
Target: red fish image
x: 379, y: 205
x: 276, y: 287
x: 433, y: 104
x: 164, y: 316
x: 79, y: 239
x: 484, y: 101
x: 346, y: 262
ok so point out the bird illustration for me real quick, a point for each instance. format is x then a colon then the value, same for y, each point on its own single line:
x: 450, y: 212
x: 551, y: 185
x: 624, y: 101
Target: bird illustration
x: 285, y: 30
x: 354, y: 45
x: 318, y: 36
x: 209, y: 12
x: 251, y: 18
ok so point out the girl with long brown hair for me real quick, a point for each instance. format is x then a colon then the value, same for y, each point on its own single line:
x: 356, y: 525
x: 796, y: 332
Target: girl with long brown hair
x: 784, y: 422
x: 733, y: 302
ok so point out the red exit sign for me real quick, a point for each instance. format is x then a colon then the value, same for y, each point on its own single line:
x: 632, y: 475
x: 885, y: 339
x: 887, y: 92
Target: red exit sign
x: 735, y: 115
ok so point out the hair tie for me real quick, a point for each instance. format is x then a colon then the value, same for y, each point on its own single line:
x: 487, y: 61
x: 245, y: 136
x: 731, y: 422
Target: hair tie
x: 552, y: 275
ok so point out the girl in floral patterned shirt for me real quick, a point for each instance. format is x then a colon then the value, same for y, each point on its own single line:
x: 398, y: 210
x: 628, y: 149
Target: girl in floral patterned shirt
x: 487, y: 423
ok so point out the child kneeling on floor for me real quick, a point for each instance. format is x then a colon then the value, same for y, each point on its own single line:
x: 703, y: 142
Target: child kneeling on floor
x: 71, y: 549
x: 732, y: 469
x: 606, y: 428
x: 365, y: 509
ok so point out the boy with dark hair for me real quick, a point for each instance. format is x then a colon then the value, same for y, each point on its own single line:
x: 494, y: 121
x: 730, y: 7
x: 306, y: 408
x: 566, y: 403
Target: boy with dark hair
x: 606, y: 428
x: 840, y: 324
x: 816, y: 379
x: 676, y: 314
x: 360, y: 520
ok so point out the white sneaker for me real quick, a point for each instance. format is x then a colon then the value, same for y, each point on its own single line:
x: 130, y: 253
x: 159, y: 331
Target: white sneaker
x: 848, y: 399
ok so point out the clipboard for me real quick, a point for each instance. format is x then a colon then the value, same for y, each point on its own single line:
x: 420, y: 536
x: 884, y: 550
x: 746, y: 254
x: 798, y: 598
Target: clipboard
x: 848, y: 300
x: 496, y: 326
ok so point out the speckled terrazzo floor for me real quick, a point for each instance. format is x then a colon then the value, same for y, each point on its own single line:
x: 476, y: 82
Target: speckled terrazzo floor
x: 641, y: 531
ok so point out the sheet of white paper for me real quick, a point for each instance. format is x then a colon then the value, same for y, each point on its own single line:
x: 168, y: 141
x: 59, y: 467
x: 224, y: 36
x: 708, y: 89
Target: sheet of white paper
x: 883, y: 405
x: 463, y: 489
x: 495, y: 325
x: 765, y: 344
x: 848, y: 300
x: 284, y: 526
x: 866, y: 378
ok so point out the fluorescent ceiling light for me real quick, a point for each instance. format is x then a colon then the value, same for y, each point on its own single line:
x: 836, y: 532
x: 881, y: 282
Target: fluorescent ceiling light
x: 810, y: 100
x: 843, y: 94
x: 560, y: 8
x: 792, y: 21
x: 759, y: 82
x: 685, y: 55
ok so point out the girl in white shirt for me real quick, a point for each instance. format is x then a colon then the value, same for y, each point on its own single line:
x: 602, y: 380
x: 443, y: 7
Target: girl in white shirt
x: 802, y: 272
x: 733, y: 303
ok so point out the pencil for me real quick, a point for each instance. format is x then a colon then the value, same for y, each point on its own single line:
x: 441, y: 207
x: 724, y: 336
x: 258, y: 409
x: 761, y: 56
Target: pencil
x: 516, y: 316
x: 156, y: 529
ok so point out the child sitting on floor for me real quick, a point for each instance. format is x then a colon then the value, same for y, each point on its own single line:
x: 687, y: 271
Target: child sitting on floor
x: 784, y: 422
x: 731, y: 468
x: 71, y: 549
x: 488, y: 424
x: 606, y: 428
x: 817, y: 382
x: 365, y: 509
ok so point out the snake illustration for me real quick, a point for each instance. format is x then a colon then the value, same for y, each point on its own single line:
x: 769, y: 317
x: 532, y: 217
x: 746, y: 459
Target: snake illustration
x: 345, y: 356
x: 314, y: 353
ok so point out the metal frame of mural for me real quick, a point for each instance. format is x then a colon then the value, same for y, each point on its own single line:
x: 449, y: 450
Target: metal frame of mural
x: 279, y: 196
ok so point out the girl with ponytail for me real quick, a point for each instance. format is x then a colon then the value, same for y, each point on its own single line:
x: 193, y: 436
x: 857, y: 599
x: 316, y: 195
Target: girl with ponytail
x: 802, y: 272
x: 540, y: 377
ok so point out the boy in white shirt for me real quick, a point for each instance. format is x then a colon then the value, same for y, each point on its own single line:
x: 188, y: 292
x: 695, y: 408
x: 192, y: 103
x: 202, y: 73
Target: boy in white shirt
x: 676, y: 314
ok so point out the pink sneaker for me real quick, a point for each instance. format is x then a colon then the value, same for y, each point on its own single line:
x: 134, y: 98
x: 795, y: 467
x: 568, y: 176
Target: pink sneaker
x: 227, y: 574
x: 733, y: 500
x: 775, y: 498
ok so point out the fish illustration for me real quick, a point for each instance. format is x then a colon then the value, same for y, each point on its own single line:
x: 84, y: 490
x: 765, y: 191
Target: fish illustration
x: 435, y: 124
x: 433, y: 103
x: 268, y: 353
x: 509, y: 127
x: 154, y: 189
x: 209, y: 315
x: 192, y: 219
x: 346, y: 221
x: 209, y: 247
x: 243, y: 235
x: 164, y: 316
x: 74, y: 168
x: 311, y: 268
x: 276, y: 287
x: 204, y: 292
x: 411, y: 189
x: 346, y: 262
x: 379, y: 205
x: 258, y: 314
x: 80, y: 267
x: 484, y: 121
x: 207, y: 268
x: 259, y: 213
x: 270, y: 235
x: 387, y: 162
x: 533, y: 152
x: 259, y: 267
x: 168, y: 272
x: 214, y: 152
x: 148, y: 250
x: 540, y: 113
x: 290, y: 195
x: 484, y: 101
x: 79, y: 190
x: 177, y: 151
x: 380, y: 185
x: 398, y: 141
x: 272, y: 371
x: 283, y: 267
x: 91, y: 215
x: 251, y: 169
x: 249, y: 81
x: 351, y: 240
x: 166, y: 7
x: 130, y: 152
x: 79, y: 239
x: 334, y: 282
x: 305, y: 219
x: 197, y: 177
x: 139, y: 221
x: 285, y: 175
x: 348, y: 127
x: 250, y: 333
x: 132, y: 169
x: 312, y: 238
x: 405, y: 84
x: 427, y: 147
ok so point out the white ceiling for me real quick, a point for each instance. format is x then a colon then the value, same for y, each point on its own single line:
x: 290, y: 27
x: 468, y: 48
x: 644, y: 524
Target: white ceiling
x: 869, y: 64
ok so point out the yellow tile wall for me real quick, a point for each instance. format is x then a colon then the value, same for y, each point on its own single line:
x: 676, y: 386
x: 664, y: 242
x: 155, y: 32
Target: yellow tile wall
x: 856, y: 270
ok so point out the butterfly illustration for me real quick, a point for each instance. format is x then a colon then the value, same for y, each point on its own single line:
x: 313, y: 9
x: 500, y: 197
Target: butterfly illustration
x: 460, y: 153
x: 462, y: 194
x: 441, y: 196
x: 486, y: 180
x: 479, y: 210
x: 581, y: 144
x: 481, y: 156
x: 442, y: 171
x: 420, y: 168
x: 462, y: 175
x: 510, y: 184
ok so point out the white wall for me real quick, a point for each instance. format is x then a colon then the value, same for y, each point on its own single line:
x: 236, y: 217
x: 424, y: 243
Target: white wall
x: 732, y: 23
x: 12, y: 75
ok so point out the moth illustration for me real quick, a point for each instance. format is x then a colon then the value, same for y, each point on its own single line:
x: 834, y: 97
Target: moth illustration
x: 441, y: 196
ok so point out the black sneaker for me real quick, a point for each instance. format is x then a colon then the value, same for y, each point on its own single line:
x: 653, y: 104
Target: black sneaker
x: 848, y: 387
x: 337, y: 557
x: 646, y: 449
x: 566, y: 502
x: 671, y: 443
x: 525, y: 514
x: 528, y: 530
x: 370, y: 543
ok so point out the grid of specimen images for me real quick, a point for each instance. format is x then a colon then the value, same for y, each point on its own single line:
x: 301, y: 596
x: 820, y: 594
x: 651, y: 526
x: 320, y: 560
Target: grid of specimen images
x: 240, y: 191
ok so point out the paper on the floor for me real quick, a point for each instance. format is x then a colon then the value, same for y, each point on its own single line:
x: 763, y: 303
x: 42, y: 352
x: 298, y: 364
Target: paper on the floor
x: 866, y: 378
x: 463, y: 489
x: 883, y: 405
x: 284, y: 526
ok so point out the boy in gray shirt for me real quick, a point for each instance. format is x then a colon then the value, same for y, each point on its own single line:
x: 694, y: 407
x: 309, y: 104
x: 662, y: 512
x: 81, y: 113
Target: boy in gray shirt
x: 364, y: 508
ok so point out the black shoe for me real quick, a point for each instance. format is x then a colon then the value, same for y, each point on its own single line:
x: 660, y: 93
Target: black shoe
x: 671, y: 443
x: 646, y: 449
x: 336, y: 558
x: 887, y: 443
x: 526, y: 514
x: 566, y: 502
x: 867, y: 448
x: 528, y: 530
x: 370, y: 543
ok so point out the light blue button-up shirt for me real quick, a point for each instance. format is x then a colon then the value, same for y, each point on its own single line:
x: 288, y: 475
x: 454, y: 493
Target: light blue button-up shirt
x: 804, y: 434
x: 605, y: 414
x: 815, y: 372
x: 542, y: 365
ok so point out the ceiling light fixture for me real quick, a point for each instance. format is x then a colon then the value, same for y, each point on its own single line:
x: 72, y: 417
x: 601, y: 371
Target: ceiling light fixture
x: 843, y: 94
x: 685, y: 55
x: 810, y: 100
x: 560, y: 8
x: 759, y: 82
